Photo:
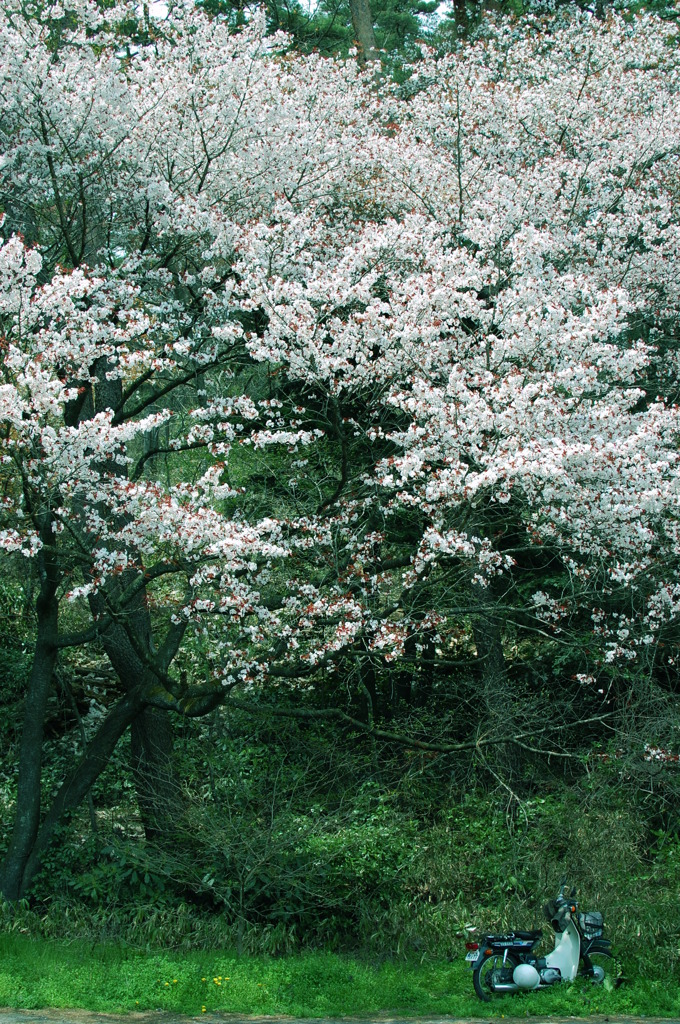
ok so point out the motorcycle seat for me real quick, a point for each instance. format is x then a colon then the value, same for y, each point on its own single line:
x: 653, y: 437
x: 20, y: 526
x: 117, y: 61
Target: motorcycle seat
x: 525, y: 936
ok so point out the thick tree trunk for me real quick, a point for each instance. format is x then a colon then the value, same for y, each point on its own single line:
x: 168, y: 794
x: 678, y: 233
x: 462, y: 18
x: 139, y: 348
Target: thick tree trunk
x: 362, y: 22
x: 159, y: 794
x: 129, y: 647
x: 460, y: 18
x: 77, y: 786
x: 158, y: 791
x: 497, y: 705
x: 27, y: 814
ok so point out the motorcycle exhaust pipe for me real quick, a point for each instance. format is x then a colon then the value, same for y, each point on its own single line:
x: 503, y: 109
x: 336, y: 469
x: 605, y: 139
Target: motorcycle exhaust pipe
x: 505, y: 986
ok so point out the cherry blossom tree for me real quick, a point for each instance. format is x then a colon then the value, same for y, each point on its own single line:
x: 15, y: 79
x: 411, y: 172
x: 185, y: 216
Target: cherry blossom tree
x: 498, y: 321
x: 144, y: 167
x: 562, y: 190
x: 306, y: 374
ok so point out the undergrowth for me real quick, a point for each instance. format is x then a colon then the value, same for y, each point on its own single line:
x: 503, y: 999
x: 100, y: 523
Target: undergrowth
x: 116, y: 979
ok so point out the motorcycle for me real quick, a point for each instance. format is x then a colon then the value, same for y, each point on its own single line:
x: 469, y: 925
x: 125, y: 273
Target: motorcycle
x: 507, y: 963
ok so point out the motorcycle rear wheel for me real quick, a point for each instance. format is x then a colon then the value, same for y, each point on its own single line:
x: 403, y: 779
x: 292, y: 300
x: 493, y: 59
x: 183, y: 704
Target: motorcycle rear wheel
x: 605, y: 967
x: 482, y: 976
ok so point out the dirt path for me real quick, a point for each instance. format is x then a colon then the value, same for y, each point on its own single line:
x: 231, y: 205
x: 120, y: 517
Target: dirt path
x: 48, y: 1016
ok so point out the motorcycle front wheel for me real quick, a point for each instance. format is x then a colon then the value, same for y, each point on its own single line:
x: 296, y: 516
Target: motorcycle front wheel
x: 605, y: 967
x: 492, y: 970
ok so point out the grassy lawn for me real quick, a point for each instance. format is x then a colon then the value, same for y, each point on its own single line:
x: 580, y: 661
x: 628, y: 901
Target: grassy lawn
x: 113, y: 979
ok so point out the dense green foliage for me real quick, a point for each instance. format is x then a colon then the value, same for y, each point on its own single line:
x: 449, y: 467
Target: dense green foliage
x: 296, y: 836
x: 114, y: 979
x: 400, y: 25
x: 382, y: 810
x: 297, y: 833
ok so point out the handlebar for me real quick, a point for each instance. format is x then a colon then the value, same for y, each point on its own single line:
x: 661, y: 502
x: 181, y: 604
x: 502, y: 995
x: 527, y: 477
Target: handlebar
x: 561, y: 893
x: 559, y: 910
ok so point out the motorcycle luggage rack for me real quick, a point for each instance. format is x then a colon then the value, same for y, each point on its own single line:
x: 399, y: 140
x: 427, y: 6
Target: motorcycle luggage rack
x: 591, y: 924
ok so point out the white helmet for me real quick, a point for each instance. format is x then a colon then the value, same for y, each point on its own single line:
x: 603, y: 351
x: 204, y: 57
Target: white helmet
x: 526, y: 976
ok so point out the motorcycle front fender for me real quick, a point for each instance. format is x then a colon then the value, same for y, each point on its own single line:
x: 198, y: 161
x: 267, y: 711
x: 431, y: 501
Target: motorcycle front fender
x: 587, y: 944
x: 565, y: 955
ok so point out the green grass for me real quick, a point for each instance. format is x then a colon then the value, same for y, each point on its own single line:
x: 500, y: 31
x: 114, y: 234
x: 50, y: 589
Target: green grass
x: 114, y: 979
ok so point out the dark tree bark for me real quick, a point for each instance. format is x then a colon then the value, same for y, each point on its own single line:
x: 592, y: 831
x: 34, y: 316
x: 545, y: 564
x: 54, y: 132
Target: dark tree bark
x: 27, y: 816
x: 460, y: 18
x: 158, y: 791
x: 362, y: 22
x: 127, y: 641
x: 77, y: 786
x: 129, y: 647
x: 159, y: 794
x: 497, y: 703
